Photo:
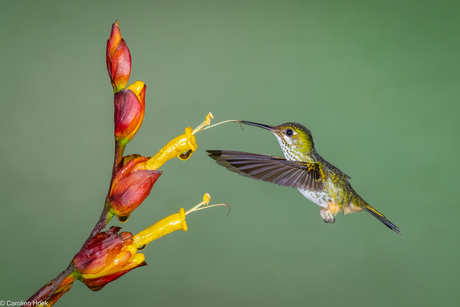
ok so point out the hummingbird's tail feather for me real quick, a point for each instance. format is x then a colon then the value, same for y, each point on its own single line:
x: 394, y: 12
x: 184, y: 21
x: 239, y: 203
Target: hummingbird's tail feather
x: 382, y: 218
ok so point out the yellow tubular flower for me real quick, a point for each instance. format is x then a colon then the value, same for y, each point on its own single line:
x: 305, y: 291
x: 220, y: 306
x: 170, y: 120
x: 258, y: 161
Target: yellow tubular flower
x: 182, y: 147
x: 163, y: 227
x: 111, y: 254
x: 169, y: 224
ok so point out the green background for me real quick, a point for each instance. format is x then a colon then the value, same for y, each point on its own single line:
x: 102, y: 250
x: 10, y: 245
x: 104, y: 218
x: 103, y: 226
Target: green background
x: 377, y: 83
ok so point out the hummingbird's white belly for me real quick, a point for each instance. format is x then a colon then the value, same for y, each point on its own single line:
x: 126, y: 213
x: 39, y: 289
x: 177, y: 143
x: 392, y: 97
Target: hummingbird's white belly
x: 316, y: 197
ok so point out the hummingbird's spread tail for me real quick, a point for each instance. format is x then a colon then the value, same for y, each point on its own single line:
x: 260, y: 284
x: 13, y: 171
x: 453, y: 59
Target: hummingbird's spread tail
x: 382, y: 218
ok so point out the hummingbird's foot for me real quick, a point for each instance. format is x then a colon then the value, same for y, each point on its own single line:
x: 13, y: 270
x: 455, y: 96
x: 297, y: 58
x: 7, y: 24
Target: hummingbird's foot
x: 327, y: 216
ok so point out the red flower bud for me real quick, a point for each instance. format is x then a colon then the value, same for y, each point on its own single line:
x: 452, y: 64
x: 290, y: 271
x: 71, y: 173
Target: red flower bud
x: 129, y: 111
x: 130, y: 187
x: 106, y: 257
x: 118, y: 59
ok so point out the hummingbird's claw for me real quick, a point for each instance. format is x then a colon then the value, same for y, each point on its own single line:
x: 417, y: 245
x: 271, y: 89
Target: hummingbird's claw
x: 327, y: 216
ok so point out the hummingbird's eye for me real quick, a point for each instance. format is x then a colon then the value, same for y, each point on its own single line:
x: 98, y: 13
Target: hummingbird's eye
x: 289, y: 132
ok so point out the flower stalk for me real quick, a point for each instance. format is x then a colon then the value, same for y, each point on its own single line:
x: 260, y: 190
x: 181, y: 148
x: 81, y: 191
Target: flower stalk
x: 108, y: 255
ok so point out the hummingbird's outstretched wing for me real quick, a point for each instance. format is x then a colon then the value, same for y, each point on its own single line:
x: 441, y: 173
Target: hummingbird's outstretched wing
x: 298, y: 175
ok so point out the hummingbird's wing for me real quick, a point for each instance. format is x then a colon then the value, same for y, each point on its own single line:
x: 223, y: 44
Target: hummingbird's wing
x: 294, y: 174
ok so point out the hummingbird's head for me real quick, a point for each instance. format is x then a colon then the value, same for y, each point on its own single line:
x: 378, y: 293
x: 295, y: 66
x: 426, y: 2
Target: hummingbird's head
x: 295, y: 139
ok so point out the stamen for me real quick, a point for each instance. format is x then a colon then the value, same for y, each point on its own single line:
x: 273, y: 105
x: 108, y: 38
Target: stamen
x: 204, y: 124
x: 225, y: 121
x: 205, y: 202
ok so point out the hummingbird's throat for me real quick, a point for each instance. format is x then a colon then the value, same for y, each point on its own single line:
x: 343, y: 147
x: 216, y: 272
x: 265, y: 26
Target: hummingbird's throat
x: 288, y: 149
x: 294, y: 150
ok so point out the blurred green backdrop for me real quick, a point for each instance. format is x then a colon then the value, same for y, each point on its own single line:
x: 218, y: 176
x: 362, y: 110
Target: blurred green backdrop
x: 377, y: 82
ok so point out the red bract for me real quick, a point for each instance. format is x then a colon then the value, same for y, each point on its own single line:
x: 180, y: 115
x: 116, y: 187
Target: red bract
x: 106, y: 257
x: 130, y: 187
x: 129, y: 105
x: 118, y: 59
x: 97, y: 284
x: 127, y: 113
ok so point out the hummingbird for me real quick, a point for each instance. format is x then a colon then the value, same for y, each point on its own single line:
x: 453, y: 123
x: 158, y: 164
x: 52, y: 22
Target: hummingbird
x: 301, y: 168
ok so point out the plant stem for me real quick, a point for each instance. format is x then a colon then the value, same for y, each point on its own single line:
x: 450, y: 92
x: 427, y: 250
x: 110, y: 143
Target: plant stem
x: 47, y: 290
x: 106, y: 216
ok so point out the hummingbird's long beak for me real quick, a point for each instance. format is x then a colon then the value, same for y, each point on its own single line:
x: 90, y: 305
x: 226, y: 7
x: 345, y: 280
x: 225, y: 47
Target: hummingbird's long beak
x: 266, y: 127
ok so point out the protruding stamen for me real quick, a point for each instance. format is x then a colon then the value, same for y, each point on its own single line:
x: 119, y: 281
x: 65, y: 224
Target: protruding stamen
x: 225, y: 121
x: 206, y: 198
x: 205, y: 202
x: 204, y: 124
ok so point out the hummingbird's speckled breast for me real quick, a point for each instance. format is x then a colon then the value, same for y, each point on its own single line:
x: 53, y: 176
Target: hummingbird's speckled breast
x: 331, y: 194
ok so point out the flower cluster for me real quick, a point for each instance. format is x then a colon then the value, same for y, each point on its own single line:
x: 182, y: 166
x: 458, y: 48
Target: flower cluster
x: 108, y: 255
